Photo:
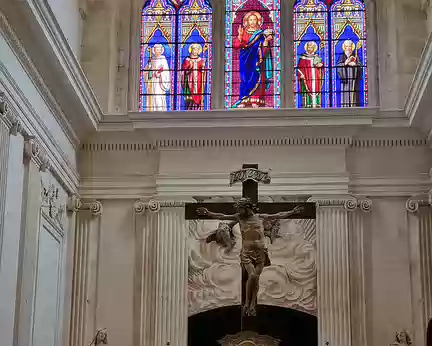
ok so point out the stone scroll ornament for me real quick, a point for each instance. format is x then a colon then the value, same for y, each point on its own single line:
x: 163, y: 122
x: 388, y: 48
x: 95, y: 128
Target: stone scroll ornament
x: 250, y: 174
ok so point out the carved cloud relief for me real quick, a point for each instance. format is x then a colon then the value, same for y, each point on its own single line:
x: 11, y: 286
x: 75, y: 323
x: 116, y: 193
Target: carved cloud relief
x: 215, y: 274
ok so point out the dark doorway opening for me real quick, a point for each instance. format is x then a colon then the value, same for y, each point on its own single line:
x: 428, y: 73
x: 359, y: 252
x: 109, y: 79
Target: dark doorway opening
x: 292, y: 327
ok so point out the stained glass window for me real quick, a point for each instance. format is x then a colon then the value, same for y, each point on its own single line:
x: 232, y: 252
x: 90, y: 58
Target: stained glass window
x: 330, y: 54
x: 176, y: 55
x: 252, y: 54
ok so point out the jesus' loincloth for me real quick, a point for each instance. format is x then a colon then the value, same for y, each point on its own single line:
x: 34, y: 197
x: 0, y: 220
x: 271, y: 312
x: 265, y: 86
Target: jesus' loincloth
x: 255, y: 257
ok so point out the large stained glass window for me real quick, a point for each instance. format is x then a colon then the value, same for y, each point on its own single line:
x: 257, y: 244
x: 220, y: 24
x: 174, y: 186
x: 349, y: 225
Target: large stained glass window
x: 252, y: 54
x: 176, y: 55
x: 330, y: 54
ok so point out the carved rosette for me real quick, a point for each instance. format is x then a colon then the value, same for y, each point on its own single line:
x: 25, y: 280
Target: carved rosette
x: 34, y: 152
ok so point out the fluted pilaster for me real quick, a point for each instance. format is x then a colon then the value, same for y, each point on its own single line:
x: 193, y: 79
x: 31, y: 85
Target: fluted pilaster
x: 333, y: 265
x: 359, y: 223
x: 163, y: 273
x: 420, y: 227
x: 84, y: 291
x: 10, y: 233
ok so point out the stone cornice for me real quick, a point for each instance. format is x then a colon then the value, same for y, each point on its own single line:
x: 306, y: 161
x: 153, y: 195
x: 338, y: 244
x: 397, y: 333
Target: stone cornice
x: 191, y: 143
x: 50, y: 61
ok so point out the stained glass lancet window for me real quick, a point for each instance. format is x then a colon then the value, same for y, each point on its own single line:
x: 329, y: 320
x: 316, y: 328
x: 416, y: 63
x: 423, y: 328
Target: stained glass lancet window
x: 330, y: 53
x: 176, y: 55
x: 252, y: 54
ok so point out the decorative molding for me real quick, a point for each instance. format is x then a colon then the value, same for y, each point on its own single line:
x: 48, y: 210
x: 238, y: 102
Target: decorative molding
x: 414, y: 203
x: 161, y: 144
x: 155, y: 206
x: 249, y: 339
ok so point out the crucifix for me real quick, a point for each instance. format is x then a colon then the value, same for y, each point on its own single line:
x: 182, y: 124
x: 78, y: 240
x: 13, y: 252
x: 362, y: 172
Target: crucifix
x: 251, y: 217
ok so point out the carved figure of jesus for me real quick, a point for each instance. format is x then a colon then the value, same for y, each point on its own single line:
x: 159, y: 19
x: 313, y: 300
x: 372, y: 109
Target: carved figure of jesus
x: 254, y: 254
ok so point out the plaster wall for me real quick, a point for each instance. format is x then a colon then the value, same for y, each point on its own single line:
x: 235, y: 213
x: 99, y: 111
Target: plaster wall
x: 67, y: 14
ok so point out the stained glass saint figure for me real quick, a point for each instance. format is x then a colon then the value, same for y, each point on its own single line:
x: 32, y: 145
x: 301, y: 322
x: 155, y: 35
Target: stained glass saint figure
x: 350, y: 73
x: 157, y: 77
x: 256, y: 63
x: 194, y: 78
x: 311, y: 76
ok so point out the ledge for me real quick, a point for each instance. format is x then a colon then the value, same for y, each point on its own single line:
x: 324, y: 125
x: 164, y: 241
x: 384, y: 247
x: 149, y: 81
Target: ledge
x: 251, y: 118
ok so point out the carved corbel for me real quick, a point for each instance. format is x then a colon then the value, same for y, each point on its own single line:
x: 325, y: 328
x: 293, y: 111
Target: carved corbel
x: 34, y: 152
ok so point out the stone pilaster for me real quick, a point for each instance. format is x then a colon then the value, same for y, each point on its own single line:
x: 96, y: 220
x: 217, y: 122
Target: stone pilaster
x: 11, y: 187
x: 35, y: 160
x: 85, y: 256
x: 420, y: 230
x: 358, y: 226
x: 333, y: 266
x: 163, y: 297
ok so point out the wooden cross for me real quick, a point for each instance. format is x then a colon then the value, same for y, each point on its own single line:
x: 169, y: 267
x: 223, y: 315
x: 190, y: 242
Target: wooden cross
x: 249, y: 176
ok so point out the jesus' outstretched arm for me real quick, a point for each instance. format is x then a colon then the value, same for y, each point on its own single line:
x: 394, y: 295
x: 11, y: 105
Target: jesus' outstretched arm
x: 218, y: 216
x: 283, y: 215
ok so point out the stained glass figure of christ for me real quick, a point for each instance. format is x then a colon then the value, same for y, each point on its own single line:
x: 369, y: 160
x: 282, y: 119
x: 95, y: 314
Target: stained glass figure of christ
x: 330, y: 53
x: 176, y: 55
x: 252, y: 54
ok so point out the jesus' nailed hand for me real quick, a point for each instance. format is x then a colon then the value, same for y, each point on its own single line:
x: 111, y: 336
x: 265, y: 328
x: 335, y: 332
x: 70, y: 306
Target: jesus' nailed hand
x: 254, y: 254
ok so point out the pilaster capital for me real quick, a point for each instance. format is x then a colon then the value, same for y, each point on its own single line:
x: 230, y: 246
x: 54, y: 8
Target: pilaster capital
x: 76, y: 204
x: 33, y: 151
x: 155, y: 206
x: 8, y: 118
x: 414, y: 203
x: 349, y: 203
